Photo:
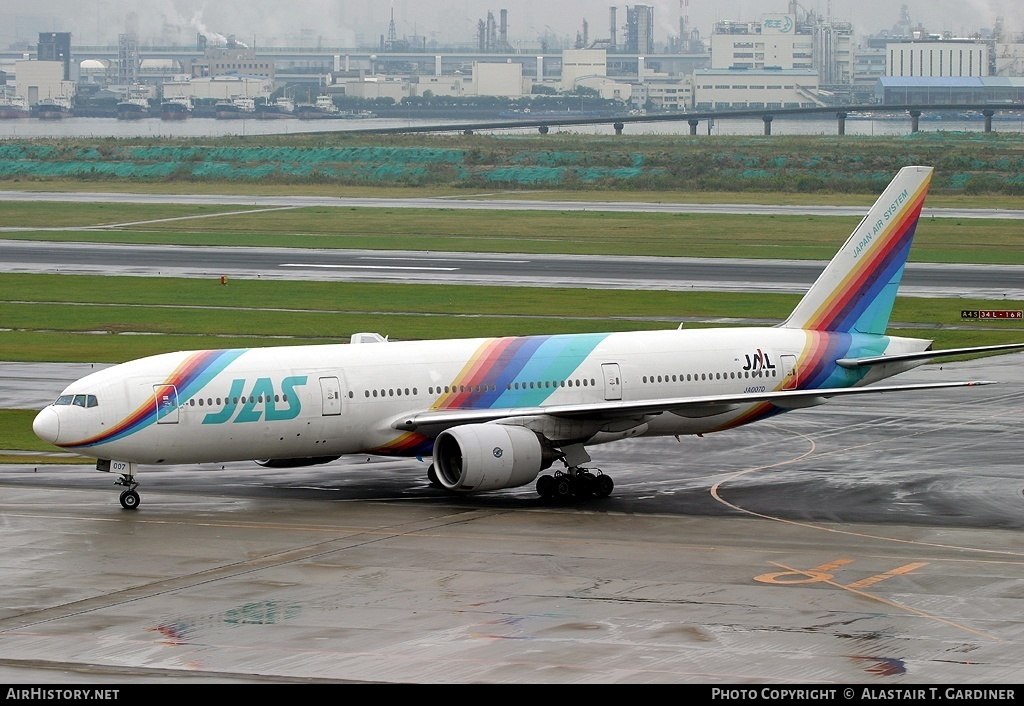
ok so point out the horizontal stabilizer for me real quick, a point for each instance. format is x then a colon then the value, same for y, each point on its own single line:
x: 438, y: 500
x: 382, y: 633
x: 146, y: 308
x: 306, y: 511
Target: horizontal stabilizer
x: 852, y: 363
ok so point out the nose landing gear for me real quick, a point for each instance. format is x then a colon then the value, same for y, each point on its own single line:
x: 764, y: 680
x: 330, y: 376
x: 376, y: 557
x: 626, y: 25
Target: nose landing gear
x: 129, y: 498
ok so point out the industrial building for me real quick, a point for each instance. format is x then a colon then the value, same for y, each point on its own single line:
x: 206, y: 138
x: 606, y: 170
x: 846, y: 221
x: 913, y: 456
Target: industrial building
x: 949, y: 90
x: 582, y: 63
x: 233, y: 59
x: 56, y: 46
x: 796, y: 58
x: 42, y: 80
x: 937, y: 58
x: 786, y: 41
x: 740, y: 88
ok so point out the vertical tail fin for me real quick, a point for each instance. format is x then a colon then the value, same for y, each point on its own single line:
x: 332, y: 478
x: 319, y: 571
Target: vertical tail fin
x: 856, y: 291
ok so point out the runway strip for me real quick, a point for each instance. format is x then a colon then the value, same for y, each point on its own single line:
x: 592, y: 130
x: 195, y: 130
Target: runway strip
x: 482, y: 202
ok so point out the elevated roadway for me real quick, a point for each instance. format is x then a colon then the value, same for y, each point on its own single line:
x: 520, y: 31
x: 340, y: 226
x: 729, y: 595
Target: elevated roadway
x: 767, y: 115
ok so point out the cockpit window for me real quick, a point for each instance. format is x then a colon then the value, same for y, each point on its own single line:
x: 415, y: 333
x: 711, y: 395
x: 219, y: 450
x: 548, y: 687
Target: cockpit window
x: 78, y: 400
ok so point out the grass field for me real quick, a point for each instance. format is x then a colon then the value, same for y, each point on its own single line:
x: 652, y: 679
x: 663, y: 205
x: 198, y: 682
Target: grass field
x: 989, y: 241
x: 101, y: 319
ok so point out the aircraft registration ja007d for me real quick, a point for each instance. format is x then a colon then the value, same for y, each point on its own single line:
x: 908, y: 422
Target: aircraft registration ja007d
x: 497, y: 413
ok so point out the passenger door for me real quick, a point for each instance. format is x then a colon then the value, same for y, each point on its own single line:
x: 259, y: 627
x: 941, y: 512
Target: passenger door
x: 612, y: 381
x: 166, y: 397
x: 330, y: 391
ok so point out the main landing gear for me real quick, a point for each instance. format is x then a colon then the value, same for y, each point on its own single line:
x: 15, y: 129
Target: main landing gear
x: 572, y: 483
x: 575, y: 483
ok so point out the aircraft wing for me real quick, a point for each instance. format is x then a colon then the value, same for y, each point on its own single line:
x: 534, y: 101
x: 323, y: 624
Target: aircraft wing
x: 924, y: 355
x: 435, y: 421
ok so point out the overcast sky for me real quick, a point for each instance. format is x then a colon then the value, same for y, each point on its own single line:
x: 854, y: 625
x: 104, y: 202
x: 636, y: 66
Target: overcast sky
x: 348, y: 22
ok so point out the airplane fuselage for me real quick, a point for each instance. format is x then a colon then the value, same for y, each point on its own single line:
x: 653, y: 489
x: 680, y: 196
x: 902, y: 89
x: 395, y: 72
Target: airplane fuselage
x: 330, y: 400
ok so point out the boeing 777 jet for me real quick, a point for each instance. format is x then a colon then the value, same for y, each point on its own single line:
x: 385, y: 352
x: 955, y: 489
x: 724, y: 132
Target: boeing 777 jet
x: 498, y: 413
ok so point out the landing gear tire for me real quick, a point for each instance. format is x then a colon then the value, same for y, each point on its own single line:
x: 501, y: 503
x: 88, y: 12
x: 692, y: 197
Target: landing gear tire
x: 129, y: 499
x: 603, y: 486
x: 563, y: 488
x: 432, y: 477
x: 546, y: 486
x: 583, y: 484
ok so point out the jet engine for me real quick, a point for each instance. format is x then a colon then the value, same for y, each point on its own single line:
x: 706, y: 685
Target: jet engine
x: 295, y: 462
x: 475, y: 457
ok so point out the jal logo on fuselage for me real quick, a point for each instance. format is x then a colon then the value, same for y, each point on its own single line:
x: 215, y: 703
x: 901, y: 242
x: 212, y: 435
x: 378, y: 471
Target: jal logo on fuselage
x: 758, y: 361
x: 261, y: 402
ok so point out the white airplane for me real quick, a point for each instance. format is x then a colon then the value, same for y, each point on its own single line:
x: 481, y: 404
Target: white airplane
x: 496, y: 412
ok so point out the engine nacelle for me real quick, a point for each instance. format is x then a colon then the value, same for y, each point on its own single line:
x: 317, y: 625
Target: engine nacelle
x: 295, y: 462
x: 475, y: 457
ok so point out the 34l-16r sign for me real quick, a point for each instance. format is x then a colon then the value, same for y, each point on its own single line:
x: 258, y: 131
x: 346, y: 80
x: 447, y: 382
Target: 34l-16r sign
x: 991, y: 314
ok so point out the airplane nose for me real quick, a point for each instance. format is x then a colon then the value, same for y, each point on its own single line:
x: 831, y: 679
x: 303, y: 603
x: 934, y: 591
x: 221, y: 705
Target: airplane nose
x: 47, y: 425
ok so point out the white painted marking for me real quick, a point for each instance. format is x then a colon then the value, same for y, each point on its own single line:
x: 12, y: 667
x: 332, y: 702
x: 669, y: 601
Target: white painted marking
x: 367, y: 267
x: 443, y: 259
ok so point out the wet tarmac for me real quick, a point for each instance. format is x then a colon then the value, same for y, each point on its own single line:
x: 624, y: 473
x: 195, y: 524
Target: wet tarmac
x: 877, y: 540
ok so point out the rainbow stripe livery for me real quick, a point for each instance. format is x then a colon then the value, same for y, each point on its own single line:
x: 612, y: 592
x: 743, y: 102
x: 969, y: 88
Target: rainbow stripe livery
x: 187, y: 379
x: 856, y: 291
x: 491, y: 377
x: 495, y: 413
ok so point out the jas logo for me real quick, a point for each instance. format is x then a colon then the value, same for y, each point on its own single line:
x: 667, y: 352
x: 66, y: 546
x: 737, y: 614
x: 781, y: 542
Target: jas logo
x: 758, y: 361
x: 262, y: 402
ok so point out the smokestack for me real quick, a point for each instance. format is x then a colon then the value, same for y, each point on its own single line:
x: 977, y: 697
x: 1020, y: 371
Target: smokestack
x: 611, y: 42
x: 503, y: 36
